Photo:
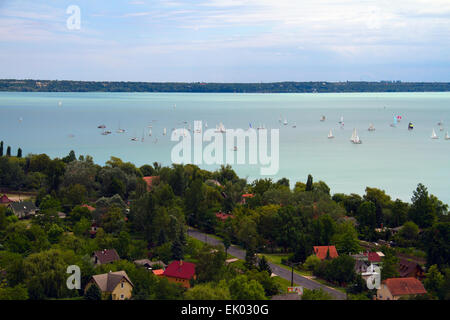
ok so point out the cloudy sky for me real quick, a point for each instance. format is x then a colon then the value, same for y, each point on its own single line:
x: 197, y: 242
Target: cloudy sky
x: 227, y: 40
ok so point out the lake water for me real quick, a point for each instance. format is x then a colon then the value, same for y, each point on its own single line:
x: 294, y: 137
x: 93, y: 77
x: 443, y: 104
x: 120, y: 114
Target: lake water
x: 393, y: 159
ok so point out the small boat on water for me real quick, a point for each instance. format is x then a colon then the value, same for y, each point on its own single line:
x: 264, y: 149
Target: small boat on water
x: 285, y: 122
x: 355, y: 138
x: 106, y: 132
x: 102, y: 126
x: 447, y: 137
x: 164, y: 131
x: 371, y: 127
x: 149, y: 132
x: 434, y: 135
x: 235, y: 148
x: 410, y: 126
x: 342, y: 120
x: 394, y: 124
x: 120, y: 130
x: 294, y: 125
x: 220, y: 128
x: 330, y: 134
x: 440, y: 123
x: 441, y: 128
x: 323, y: 118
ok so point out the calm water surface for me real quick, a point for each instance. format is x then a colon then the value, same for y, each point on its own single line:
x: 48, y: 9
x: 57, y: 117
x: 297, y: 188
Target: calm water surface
x: 393, y: 159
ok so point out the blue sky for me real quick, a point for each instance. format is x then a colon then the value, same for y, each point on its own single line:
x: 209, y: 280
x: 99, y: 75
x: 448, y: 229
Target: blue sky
x: 227, y: 40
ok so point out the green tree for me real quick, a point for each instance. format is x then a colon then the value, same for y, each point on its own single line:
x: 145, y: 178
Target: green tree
x: 434, y: 282
x: 422, y: 211
x: 93, y: 293
x: 316, y: 294
x: 241, y: 288
x: 210, y: 264
x: 19, y: 153
x: 8, y: 151
x: 390, y: 265
x: 177, y: 250
x: 263, y: 265
x: 209, y: 291
x: 1, y: 149
x: 346, y: 239
x: 311, y: 263
x: 309, y: 183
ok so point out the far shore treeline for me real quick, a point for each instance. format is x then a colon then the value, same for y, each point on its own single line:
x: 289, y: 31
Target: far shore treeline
x: 274, y: 87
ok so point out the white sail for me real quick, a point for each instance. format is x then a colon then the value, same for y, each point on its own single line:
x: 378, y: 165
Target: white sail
x: 330, y: 134
x: 355, y: 138
x: 447, y: 137
x: 164, y: 131
x: 150, y: 132
x: 206, y: 124
x: 371, y: 127
x: 285, y: 121
x: 433, y: 135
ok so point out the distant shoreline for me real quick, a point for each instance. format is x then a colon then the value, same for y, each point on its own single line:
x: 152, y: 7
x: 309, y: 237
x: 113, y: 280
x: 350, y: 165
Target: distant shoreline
x: 26, y: 85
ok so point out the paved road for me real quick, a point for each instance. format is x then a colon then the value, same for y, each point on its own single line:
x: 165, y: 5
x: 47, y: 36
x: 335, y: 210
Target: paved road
x: 282, y: 272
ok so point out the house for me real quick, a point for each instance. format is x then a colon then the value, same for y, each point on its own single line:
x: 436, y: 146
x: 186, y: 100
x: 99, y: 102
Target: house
x: 374, y: 257
x: 93, y: 230
x: 150, y: 264
x: 223, y: 216
x: 396, y: 288
x: 105, y: 256
x: 245, y: 197
x: 158, y: 272
x: 23, y: 209
x: 4, y: 200
x: 90, y: 208
x: 117, y: 284
x: 410, y: 269
x: 151, y: 181
x: 212, y: 182
x: 323, y: 251
x: 180, y: 272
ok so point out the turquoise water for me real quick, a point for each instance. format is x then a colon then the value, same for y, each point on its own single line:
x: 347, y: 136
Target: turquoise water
x: 393, y: 159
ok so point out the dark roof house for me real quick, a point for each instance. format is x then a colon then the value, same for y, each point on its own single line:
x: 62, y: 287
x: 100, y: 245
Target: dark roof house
x: 105, y: 256
x: 410, y: 269
x: 23, y: 209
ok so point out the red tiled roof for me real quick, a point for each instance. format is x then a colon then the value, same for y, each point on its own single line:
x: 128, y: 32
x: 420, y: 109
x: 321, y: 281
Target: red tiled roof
x: 89, y: 207
x: 223, y: 216
x: 321, y: 252
x: 150, y: 180
x: 180, y: 269
x: 248, y: 195
x: 158, y: 272
x: 5, y: 199
x: 372, y: 256
x: 404, y: 286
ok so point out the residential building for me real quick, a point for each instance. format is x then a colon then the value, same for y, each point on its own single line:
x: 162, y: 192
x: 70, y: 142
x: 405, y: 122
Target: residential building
x: 146, y: 263
x: 396, y: 288
x: 151, y: 181
x: 23, y: 209
x: 322, y: 252
x: 105, y: 256
x: 180, y: 272
x: 410, y: 269
x: 117, y: 284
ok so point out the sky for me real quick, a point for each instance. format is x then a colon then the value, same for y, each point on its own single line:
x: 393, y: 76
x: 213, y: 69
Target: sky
x: 226, y: 40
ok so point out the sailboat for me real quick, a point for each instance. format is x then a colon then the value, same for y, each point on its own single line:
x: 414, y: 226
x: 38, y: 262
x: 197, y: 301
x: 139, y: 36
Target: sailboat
x: 206, y: 124
x: 342, y: 120
x: 102, y: 126
x: 285, y: 122
x: 142, y: 139
x: 440, y: 123
x: 441, y: 128
x: 410, y: 126
x: 322, y: 119
x: 355, y: 138
x: 150, y: 132
x: 220, y: 128
x: 330, y: 134
x: 371, y: 127
x: 119, y: 130
x: 447, y: 137
x: 433, y: 135
x: 294, y: 125
x: 164, y: 131
x: 197, y: 127
x: 394, y: 124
